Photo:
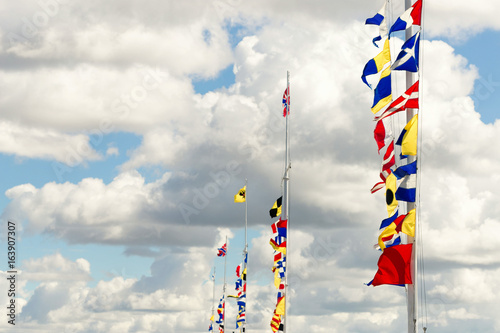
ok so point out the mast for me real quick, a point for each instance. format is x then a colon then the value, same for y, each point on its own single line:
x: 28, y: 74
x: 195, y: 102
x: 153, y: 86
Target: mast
x: 224, y: 289
x: 285, y: 208
x: 246, y: 218
x: 213, y: 294
x: 412, y: 288
x: 245, y: 256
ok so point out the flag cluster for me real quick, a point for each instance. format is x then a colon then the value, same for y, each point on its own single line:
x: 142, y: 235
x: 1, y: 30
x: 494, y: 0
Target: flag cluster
x: 241, y: 290
x: 220, y: 312
x: 399, y: 182
x: 278, y: 242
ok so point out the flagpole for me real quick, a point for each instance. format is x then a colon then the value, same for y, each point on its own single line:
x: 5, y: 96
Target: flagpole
x: 245, y: 255
x: 412, y: 288
x: 213, y: 294
x: 224, y: 289
x: 246, y: 216
x: 284, y: 213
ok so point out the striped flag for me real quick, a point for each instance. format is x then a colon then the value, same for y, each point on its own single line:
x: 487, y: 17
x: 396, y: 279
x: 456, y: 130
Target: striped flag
x: 275, y: 322
x: 409, y: 100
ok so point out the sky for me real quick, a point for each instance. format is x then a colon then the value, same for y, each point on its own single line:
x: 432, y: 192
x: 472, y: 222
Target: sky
x: 127, y: 127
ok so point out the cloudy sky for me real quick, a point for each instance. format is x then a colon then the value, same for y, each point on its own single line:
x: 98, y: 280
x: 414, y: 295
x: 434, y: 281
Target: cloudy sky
x: 127, y: 127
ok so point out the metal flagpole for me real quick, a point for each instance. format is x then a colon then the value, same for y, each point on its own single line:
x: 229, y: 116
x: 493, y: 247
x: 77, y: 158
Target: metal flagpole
x: 245, y: 254
x: 284, y: 213
x: 412, y: 288
x: 213, y: 296
x: 246, y: 216
x: 224, y: 289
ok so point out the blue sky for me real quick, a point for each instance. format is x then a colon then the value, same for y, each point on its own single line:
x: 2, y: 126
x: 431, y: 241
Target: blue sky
x: 204, y: 82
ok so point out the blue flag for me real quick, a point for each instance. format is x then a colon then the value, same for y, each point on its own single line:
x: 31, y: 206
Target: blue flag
x: 407, y: 59
x: 383, y: 92
x: 405, y: 170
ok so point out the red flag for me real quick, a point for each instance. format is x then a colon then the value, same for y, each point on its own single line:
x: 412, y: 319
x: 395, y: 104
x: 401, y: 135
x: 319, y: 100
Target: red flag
x: 409, y: 100
x: 388, y: 162
x: 394, y: 266
x: 380, y: 135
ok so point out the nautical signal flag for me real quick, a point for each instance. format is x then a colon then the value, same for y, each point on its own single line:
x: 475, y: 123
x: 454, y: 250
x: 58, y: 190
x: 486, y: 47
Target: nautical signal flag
x: 280, y: 247
x: 241, y: 196
x: 409, y: 100
x: 280, y: 306
x: 286, y: 102
x: 408, y: 224
x: 222, y: 250
x: 275, y: 322
x: 375, y: 65
x: 279, y: 228
x: 387, y: 163
x: 408, y: 137
x: 381, y: 134
x: 410, y: 17
x: 407, y: 189
x: 379, y: 19
x: 239, y: 269
x: 383, y: 92
x: 394, y: 225
x: 276, y: 209
x: 407, y: 59
x: 220, y: 310
x: 389, y: 159
x: 390, y: 194
x: 387, y: 238
x: 405, y: 170
x: 394, y: 266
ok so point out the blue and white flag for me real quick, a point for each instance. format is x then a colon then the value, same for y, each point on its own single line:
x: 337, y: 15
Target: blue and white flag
x: 379, y: 19
x: 405, y: 170
x: 407, y: 189
x: 407, y: 59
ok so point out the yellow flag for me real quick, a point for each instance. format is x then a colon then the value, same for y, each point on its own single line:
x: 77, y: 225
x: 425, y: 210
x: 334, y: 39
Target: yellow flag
x: 408, y: 138
x: 408, y: 226
x: 276, y: 209
x: 277, y: 279
x: 241, y: 196
x: 390, y: 194
x: 280, y: 307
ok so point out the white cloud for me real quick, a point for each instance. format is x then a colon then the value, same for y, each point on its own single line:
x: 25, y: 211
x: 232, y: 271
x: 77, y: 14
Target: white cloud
x: 56, y: 268
x: 30, y: 142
